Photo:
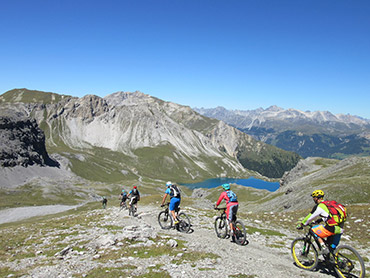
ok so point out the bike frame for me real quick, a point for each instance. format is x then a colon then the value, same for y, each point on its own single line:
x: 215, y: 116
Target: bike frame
x: 312, y: 237
x: 182, y: 226
x: 223, y: 216
x: 167, y: 210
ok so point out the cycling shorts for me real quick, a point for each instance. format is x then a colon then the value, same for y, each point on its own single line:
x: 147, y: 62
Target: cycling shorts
x: 174, y: 203
x: 231, y: 212
x: 321, y: 231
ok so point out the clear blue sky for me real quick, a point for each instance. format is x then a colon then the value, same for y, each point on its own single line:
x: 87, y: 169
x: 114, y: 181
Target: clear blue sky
x: 245, y: 54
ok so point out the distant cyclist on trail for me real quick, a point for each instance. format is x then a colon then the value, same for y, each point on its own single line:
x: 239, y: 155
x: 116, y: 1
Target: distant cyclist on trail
x: 134, y: 196
x: 104, y: 202
x: 232, y: 205
x: 333, y: 228
x: 123, y: 198
x: 175, y: 195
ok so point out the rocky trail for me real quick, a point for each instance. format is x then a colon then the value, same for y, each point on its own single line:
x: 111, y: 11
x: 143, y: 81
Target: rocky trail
x: 109, y: 243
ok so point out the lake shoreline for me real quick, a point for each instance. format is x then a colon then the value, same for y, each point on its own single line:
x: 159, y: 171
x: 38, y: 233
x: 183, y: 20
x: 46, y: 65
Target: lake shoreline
x: 249, y: 182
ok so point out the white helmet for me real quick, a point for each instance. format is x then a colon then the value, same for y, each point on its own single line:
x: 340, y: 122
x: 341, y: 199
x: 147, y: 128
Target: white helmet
x: 169, y: 183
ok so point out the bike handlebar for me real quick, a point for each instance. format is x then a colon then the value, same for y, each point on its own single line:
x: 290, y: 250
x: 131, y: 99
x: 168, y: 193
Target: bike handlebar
x: 220, y: 209
x: 310, y: 225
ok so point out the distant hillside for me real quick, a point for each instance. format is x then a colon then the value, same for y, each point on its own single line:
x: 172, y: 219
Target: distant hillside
x: 347, y: 181
x: 133, y: 136
x: 306, y: 133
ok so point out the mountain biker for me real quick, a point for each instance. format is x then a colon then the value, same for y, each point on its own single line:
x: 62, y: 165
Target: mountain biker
x: 123, y: 197
x: 104, y: 202
x: 175, y: 199
x: 232, y: 205
x: 134, y: 196
x: 333, y: 233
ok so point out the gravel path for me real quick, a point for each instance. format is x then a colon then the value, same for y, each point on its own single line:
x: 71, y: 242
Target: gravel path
x: 259, y: 258
x: 254, y: 259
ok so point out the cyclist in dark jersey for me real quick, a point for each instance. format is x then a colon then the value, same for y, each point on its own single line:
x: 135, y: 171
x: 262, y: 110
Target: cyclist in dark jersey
x: 104, y: 202
x: 134, y: 196
x: 123, y: 198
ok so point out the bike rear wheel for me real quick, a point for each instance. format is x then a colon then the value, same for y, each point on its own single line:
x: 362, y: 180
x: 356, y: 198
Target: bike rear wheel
x: 240, y: 235
x: 184, y: 222
x: 165, y: 220
x: 221, y: 227
x: 304, y: 253
x: 348, y: 262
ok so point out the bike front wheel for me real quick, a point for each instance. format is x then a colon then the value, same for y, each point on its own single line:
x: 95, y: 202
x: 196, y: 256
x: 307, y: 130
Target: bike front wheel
x: 348, y: 262
x: 240, y: 235
x: 164, y: 220
x: 132, y: 211
x: 221, y: 227
x: 184, y: 222
x: 304, y: 253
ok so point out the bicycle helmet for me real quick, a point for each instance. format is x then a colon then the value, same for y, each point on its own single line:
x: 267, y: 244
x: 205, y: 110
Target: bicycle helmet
x: 317, y: 194
x: 168, y: 183
x: 226, y: 186
x: 135, y: 186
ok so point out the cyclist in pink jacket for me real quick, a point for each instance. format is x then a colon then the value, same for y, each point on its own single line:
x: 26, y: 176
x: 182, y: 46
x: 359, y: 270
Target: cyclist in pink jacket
x: 231, y: 205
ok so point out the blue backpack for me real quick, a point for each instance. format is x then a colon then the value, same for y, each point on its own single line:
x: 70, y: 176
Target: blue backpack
x: 232, y: 196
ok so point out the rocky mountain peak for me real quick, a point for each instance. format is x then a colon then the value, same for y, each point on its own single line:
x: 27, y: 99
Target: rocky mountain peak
x: 274, y: 108
x: 127, y: 98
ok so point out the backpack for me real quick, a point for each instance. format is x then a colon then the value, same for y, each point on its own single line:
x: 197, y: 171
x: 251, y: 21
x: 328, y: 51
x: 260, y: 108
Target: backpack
x: 232, y: 196
x: 175, y: 191
x: 337, y: 213
x: 135, y: 192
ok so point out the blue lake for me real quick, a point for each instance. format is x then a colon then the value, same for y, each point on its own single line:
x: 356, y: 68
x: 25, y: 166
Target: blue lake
x: 251, y: 182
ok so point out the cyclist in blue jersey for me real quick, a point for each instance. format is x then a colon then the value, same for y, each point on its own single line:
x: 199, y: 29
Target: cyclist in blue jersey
x: 175, y: 194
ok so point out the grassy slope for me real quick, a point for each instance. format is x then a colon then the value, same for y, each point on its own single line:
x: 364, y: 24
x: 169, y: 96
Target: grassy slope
x: 351, y: 184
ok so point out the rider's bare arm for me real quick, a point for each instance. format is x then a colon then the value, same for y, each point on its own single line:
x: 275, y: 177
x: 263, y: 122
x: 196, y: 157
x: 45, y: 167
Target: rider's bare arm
x: 164, y: 199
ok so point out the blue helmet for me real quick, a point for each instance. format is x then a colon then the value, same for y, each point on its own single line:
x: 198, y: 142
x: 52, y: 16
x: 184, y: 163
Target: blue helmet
x: 226, y: 186
x: 168, y: 183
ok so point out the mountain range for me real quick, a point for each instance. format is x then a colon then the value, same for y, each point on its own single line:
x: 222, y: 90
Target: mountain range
x: 134, y: 136
x: 309, y: 134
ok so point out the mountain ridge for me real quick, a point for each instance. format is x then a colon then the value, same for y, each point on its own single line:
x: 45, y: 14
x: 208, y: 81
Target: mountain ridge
x: 138, y: 130
x: 318, y: 133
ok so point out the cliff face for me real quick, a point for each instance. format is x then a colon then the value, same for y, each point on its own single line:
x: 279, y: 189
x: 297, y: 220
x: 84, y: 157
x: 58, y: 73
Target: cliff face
x: 22, y: 142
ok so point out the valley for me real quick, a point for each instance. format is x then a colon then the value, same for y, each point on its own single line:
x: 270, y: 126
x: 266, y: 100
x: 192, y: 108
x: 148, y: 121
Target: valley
x: 60, y: 152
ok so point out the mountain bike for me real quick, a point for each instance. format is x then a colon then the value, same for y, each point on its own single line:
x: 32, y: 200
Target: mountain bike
x: 222, y: 228
x: 166, y: 222
x: 345, y: 260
